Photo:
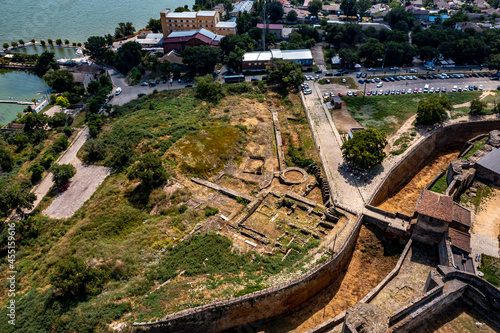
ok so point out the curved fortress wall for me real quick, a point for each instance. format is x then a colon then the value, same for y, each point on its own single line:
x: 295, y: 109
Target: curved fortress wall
x: 451, y: 137
x: 262, y: 304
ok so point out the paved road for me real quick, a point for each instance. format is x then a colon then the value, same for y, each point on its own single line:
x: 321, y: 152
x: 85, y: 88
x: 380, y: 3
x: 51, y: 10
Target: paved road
x: 86, y: 180
x: 328, y: 142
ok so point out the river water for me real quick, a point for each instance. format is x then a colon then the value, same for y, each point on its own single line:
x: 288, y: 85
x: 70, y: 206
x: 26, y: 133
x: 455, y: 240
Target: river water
x: 74, y: 20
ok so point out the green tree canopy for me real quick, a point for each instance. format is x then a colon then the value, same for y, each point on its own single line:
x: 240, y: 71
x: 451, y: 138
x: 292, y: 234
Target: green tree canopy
x: 400, y: 14
x: 207, y: 88
x: 63, y: 173
x: 46, y: 61
x: 275, y: 10
x: 128, y: 56
x: 16, y: 197
x: 314, y: 7
x: 36, y: 172
x: 231, y: 42
x: 476, y: 106
x: 95, y: 47
x: 62, y: 102
x: 365, y: 149
x: 432, y: 110
x: 201, y: 59
x: 154, y: 25
x: 149, y: 169
x: 292, y: 16
x: 285, y: 73
x: 60, y: 80
x: 124, y: 29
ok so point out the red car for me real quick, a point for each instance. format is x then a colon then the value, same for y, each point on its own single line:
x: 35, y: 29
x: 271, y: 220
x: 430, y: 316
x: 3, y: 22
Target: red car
x: 340, y: 95
x: 63, y: 188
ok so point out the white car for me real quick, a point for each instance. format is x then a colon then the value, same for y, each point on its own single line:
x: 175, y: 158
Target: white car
x: 394, y: 68
x: 349, y: 93
x: 481, y: 87
x: 380, y: 85
x: 118, y: 91
x: 308, y: 92
x: 454, y: 89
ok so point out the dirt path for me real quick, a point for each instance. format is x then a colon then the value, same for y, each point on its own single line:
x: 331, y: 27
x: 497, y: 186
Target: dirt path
x: 404, y: 198
x: 367, y: 268
x: 328, y: 141
x: 486, y: 227
x: 467, y: 104
x: 343, y: 119
x: 408, y: 124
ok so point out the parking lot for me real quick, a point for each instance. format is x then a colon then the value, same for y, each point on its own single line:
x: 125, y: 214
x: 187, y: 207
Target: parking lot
x: 410, y: 84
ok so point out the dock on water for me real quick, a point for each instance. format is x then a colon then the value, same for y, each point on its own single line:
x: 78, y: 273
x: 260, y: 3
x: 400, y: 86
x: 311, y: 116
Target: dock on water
x: 10, y: 101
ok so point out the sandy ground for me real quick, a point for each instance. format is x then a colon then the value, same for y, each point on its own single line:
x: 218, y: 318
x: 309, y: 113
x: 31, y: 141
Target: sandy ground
x: 409, y: 284
x: 404, y: 198
x: 367, y: 268
x: 82, y: 185
x: 486, y: 227
x: 459, y: 318
x: 52, y: 111
x: 343, y: 119
x: 483, y: 96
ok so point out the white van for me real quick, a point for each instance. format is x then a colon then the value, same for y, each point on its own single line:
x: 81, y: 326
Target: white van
x: 118, y: 91
x: 426, y: 88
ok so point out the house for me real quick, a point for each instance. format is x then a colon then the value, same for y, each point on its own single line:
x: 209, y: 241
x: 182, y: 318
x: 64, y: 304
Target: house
x: 39, y: 106
x: 336, y: 103
x: 333, y: 8
x: 467, y: 25
x: 336, y: 62
x: 434, y: 216
x: 179, y: 40
x: 421, y: 14
x: 186, y: 21
x: 12, y: 127
x: 275, y: 29
x: 241, y: 7
x: 225, y: 28
x: 151, y: 42
x: 461, y: 219
x: 257, y: 61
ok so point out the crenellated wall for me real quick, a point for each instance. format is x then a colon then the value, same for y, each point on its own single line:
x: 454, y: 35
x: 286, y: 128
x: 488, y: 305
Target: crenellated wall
x: 448, y: 138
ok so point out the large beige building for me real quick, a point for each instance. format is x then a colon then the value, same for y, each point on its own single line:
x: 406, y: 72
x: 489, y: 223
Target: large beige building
x: 171, y: 21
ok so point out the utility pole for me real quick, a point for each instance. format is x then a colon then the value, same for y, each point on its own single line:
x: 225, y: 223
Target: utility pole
x: 264, y: 30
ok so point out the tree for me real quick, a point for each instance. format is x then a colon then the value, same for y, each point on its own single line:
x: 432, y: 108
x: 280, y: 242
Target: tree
x: 363, y: 6
x: 42, y: 42
x: 63, y: 173
x: 292, y: 16
x: 62, y: 102
x: 243, y: 23
x: 128, y: 56
x: 427, y: 53
x: 72, y: 276
x: 285, y: 73
x: 201, y: 59
x: 6, y: 159
x: 348, y: 7
x: 400, y: 14
x: 46, y: 61
x: 232, y: 42
x: 50, y: 41
x: 58, y: 42
x: 154, y: 25
x: 365, y: 149
x: 371, y: 51
x: 93, y: 87
x: 36, y: 172
x: 21, y: 42
x: 124, y: 29
x: 66, y: 41
x: 33, y: 41
x: 476, y: 106
x: 60, y: 80
x: 109, y: 39
x: 348, y: 57
x: 275, y: 10
x: 181, y: 9
x: 207, y: 88
x: 235, y: 60
x: 314, y: 7
x: 95, y: 47
x: 150, y: 171
x: 493, y: 61
x: 16, y: 197
x: 58, y: 120
x: 432, y: 110
x: 5, y: 45
x: 14, y: 44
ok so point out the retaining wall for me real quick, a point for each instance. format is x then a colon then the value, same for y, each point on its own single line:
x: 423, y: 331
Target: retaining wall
x: 262, y: 304
x: 448, y: 138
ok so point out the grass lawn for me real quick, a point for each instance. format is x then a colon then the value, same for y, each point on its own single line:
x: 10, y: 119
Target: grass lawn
x: 490, y: 266
x: 388, y: 113
x: 477, y: 146
x: 440, y: 185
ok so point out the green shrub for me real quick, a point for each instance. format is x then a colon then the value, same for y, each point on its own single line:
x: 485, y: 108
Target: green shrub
x: 182, y: 208
x: 249, y: 289
x: 36, y: 172
x: 210, y: 211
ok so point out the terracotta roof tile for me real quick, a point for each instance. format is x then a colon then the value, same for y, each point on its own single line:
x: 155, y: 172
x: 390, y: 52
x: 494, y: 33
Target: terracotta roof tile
x: 435, y: 205
x: 459, y: 239
x: 461, y: 215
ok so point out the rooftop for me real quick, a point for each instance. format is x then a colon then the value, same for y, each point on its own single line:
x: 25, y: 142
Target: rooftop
x: 462, y: 215
x: 226, y: 25
x: 181, y: 15
x: 188, y: 33
x: 491, y: 161
x: 435, y: 205
x: 277, y: 53
x: 270, y: 26
x: 459, y: 239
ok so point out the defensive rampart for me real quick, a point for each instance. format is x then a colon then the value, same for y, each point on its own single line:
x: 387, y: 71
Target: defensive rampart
x: 448, y: 138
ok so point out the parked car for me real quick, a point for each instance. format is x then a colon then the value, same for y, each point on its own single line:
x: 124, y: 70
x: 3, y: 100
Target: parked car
x: 343, y: 81
x: 380, y: 85
x: 308, y: 92
x: 359, y: 75
x: 413, y: 70
x: 355, y: 93
x: 189, y: 85
x: 141, y: 94
x: 340, y: 94
x: 118, y: 91
x: 349, y: 93
x: 318, y: 71
x: 372, y: 69
x: 363, y: 75
x: 328, y: 74
x: 394, y: 68
x: 64, y: 187
x: 252, y: 79
x: 144, y: 84
x: 361, y: 81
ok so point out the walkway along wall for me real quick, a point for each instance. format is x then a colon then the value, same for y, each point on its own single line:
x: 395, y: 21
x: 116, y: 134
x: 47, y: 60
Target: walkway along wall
x: 448, y: 138
x: 262, y: 304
